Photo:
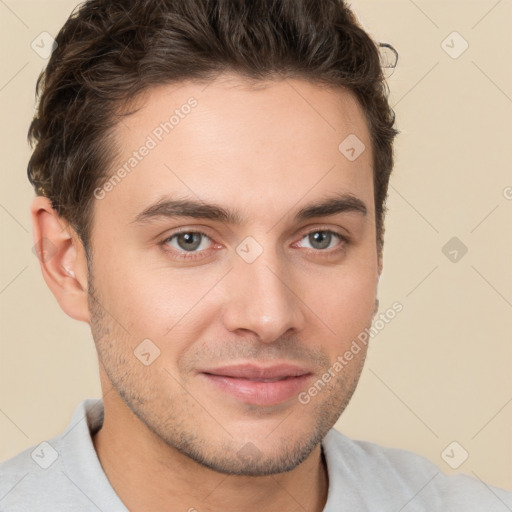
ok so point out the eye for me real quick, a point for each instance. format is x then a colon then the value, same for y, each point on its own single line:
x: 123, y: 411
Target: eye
x: 191, y: 245
x: 188, y: 241
x: 322, y: 239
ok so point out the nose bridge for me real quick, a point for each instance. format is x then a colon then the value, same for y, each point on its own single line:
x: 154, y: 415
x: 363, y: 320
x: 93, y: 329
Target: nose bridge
x: 261, y: 297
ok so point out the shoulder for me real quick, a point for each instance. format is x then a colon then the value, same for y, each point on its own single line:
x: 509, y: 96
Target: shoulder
x: 401, y: 478
x: 31, y: 474
x: 62, y: 473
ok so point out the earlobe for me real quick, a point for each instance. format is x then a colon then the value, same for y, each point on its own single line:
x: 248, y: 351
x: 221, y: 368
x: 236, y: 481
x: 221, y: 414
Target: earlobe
x: 62, y: 258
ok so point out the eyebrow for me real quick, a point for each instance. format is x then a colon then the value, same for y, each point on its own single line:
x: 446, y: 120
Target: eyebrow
x: 170, y: 208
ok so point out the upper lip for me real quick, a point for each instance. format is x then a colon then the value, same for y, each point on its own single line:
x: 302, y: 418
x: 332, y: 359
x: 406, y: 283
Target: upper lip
x: 251, y: 371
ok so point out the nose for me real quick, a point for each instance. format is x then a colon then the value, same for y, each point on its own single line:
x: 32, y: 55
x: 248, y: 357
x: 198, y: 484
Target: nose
x: 262, y: 298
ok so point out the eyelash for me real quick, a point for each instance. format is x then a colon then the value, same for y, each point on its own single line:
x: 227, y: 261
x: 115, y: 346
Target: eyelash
x: 190, y: 256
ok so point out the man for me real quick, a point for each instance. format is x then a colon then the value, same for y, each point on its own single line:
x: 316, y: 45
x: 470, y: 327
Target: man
x: 258, y: 134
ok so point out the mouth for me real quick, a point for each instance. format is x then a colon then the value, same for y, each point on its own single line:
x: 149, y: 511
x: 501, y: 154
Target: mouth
x: 258, y: 385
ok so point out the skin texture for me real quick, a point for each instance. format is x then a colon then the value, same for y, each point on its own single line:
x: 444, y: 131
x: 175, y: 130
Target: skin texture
x: 170, y: 440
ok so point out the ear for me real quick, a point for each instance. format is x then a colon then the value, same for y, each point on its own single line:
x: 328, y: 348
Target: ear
x: 62, y: 258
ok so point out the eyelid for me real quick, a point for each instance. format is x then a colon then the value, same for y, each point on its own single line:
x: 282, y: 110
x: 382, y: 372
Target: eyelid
x: 302, y: 233
x: 198, y: 230
x: 329, y: 229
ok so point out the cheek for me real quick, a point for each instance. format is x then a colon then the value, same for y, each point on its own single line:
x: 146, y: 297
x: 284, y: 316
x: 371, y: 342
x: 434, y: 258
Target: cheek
x: 344, y: 301
x: 129, y: 293
x: 155, y: 302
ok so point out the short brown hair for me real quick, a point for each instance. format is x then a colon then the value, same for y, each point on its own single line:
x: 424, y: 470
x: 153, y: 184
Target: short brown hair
x: 109, y: 51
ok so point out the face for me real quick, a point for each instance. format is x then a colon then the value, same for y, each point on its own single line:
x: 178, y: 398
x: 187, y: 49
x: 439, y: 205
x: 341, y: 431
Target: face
x: 212, y: 322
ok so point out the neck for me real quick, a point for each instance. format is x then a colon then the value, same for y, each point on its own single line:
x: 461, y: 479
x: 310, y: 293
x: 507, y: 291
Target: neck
x: 150, y: 475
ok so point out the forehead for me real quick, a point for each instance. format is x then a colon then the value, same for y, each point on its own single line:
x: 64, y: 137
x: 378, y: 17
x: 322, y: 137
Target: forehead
x: 269, y: 144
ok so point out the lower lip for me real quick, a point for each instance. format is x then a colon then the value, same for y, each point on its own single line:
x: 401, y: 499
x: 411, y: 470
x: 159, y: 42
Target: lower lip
x: 257, y: 392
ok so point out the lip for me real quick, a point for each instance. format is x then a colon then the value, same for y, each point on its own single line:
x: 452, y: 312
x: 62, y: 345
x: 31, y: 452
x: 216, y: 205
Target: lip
x: 255, y: 372
x: 246, y: 382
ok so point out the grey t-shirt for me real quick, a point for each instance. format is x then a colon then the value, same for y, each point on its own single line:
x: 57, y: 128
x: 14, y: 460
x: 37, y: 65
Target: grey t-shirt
x: 64, y: 474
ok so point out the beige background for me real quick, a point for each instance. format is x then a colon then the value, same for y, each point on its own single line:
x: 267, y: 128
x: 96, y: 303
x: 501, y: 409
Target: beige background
x: 441, y: 370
